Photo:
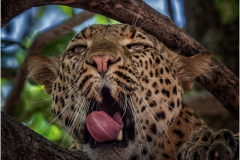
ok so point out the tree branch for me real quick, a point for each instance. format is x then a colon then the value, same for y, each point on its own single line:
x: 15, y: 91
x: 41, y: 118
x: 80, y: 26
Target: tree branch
x: 37, y: 47
x: 140, y: 14
x: 20, y: 142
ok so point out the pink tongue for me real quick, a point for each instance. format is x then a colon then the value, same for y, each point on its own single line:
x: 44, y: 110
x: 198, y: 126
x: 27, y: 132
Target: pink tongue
x: 102, y: 127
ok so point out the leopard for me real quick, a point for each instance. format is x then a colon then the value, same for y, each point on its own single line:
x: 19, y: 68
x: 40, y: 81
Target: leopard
x: 117, y: 90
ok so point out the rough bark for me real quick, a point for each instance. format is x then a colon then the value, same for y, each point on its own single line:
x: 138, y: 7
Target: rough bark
x: 21, y: 143
x: 138, y: 13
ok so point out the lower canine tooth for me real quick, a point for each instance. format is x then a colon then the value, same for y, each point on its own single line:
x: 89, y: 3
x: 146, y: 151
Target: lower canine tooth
x: 120, y: 136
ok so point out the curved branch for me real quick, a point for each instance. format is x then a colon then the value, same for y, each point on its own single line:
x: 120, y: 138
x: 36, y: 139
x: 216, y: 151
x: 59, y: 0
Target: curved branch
x: 20, y: 142
x: 224, y: 85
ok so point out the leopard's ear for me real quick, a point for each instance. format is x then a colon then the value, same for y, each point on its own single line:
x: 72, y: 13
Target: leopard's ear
x: 43, y: 70
x: 188, y: 68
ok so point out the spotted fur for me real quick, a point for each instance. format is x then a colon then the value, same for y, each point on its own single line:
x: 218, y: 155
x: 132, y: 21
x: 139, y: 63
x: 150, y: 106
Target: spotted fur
x: 146, y: 79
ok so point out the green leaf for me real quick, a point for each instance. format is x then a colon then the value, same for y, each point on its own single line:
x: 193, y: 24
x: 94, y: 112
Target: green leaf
x: 104, y: 20
x: 228, y: 10
x: 20, y: 56
x: 3, y: 81
x: 57, y: 46
x: 67, y: 10
x: 40, y: 12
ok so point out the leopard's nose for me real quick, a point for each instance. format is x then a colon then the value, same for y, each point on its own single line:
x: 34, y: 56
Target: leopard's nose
x: 102, y: 62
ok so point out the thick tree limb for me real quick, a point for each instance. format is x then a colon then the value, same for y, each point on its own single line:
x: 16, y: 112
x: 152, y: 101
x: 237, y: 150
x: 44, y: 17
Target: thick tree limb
x: 36, y: 47
x: 21, y: 143
x: 224, y: 86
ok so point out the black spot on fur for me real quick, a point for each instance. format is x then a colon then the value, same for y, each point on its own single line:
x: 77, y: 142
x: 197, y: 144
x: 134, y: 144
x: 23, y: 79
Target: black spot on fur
x: 153, y: 104
x: 171, y: 106
x: 143, y: 108
x: 86, y: 78
x: 161, y: 71
x: 160, y: 116
x: 186, y: 120
x: 150, y: 61
x: 157, y: 60
x: 153, y: 128
x: 178, y: 102
x: 167, y: 81
x: 165, y: 155
x: 151, y: 74
x: 144, y: 151
x: 72, y: 98
x: 147, y: 121
x: 166, y: 69
x: 174, y: 90
x: 56, y: 99
x: 55, y: 86
x: 154, y: 84
x: 60, y: 76
x: 133, y: 32
x: 59, y: 87
x: 68, y: 122
x: 161, y: 57
x: 66, y: 96
x: 149, y: 93
x: 166, y: 92
x: 59, y: 115
x: 149, y: 139
x: 179, y: 143
x: 189, y: 113
x: 161, y: 81
x: 178, y: 133
x: 178, y: 122
x: 62, y: 101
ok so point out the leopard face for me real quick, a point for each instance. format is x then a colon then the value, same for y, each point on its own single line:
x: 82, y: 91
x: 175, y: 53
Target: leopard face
x: 117, y: 90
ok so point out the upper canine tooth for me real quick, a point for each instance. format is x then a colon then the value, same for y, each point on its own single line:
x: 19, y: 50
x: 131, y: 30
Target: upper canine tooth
x: 120, y: 135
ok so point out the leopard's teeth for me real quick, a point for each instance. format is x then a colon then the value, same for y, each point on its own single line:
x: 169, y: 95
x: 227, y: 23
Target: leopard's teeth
x: 120, y: 136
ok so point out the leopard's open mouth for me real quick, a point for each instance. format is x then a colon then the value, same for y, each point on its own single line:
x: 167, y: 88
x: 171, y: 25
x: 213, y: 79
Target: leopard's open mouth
x: 108, y: 122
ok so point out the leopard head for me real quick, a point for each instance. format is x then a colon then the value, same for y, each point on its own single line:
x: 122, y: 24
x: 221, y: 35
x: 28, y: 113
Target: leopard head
x: 116, y: 89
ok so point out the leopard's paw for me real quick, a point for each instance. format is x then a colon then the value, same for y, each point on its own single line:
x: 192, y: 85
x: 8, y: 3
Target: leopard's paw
x: 209, y: 145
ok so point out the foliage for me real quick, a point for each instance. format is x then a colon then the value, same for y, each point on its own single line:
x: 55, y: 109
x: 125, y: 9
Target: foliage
x: 228, y: 9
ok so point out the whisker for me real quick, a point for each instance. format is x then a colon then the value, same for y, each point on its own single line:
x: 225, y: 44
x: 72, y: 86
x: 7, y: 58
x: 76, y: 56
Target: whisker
x: 64, y: 141
x: 154, y: 78
x: 137, y: 116
x: 63, y: 111
x: 49, y: 97
x: 134, y: 23
x: 141, y: 127
x: 139, y: 136
x: 178, y: 113
x: 163, y: 129
x: 76, y: 114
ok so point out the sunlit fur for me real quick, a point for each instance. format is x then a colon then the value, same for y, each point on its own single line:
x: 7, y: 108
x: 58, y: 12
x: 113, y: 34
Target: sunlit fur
x: 148, y: 83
